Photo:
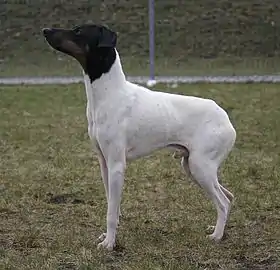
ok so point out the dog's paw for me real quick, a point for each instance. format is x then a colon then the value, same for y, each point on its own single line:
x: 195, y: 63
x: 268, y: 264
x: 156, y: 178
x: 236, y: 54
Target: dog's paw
x: 108, y: 244
x: 210, y: 229
x: 215, y: 237
x: 102, y: 237
x: 212, y: 235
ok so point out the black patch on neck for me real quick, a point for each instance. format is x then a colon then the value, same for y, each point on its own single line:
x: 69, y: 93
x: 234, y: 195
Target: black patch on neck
x: 99, y: 62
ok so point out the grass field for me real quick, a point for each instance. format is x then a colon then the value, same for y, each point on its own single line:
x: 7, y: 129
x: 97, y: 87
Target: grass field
x: 53, y: 203
x: 57, y: 64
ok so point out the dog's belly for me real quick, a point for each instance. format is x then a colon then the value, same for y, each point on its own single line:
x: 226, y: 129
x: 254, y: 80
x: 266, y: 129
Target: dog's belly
x: 135, y: 152
x: 153, y: 129
x: 144, y: 143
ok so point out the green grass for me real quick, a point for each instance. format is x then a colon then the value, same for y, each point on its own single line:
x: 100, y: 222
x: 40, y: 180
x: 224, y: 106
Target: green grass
x: 57, y: 64
x: 52, y: 201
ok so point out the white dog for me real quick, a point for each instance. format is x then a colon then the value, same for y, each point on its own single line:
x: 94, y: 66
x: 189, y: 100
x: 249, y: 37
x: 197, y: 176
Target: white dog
x: 127, y: 121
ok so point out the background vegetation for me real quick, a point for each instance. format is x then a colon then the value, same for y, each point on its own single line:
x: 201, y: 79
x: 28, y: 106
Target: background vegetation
x: 192, y: 37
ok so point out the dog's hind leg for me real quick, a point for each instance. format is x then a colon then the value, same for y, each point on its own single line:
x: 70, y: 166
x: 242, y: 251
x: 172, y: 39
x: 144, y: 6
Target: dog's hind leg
x: 229, y: 195
x: 204, y: 172
x: 104, y: 173
x: 185, y: 166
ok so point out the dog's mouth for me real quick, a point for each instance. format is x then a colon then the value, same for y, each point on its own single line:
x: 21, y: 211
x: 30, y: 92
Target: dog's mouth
x: 62, y: 40
x: 52, y: 37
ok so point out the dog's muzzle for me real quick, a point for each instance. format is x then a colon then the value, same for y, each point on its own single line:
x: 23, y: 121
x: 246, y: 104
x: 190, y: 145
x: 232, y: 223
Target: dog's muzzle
x: 47, y: 31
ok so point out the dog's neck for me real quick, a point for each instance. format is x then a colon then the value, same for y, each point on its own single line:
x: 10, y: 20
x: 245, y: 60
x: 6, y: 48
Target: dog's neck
x: 107, y: 85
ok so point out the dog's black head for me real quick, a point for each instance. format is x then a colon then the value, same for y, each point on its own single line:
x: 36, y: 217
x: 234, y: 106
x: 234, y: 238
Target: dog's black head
x: 92, y: 45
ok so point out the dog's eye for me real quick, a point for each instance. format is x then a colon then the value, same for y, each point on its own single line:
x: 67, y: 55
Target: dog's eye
x: 78, y: 31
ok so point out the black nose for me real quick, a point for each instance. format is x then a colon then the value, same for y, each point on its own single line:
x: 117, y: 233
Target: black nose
x: 46, y: 31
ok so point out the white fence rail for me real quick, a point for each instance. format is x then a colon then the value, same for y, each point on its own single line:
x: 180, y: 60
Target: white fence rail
x: 145, y: 79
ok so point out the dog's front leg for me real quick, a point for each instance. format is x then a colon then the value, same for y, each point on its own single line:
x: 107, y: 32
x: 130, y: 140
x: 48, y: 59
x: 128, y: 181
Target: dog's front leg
x: 104, y: 176
x: 116, y: 168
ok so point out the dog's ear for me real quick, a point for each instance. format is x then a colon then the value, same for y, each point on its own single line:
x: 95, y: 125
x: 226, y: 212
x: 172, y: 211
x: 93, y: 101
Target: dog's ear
x: 107, y: 39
